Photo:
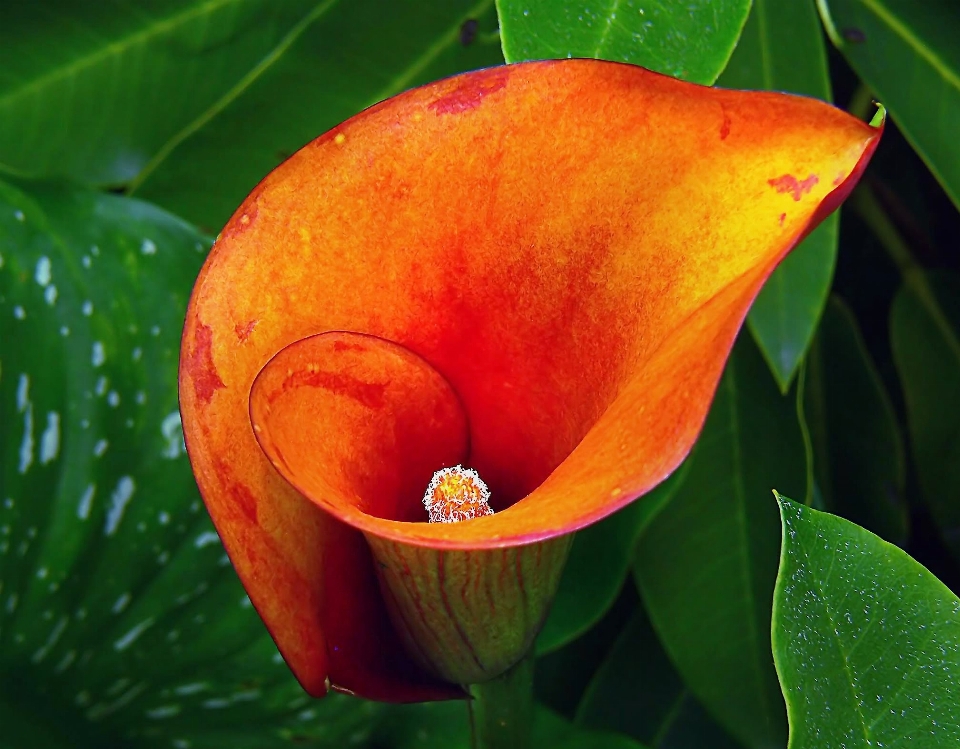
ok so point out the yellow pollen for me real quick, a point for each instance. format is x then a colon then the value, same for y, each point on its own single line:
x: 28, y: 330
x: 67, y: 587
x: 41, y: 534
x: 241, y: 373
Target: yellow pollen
x: 456, y: 494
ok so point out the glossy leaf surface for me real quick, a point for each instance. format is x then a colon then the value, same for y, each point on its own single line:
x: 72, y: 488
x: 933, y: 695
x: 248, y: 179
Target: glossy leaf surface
x: 691, y: 40
x: 782, y: 49
x: 637, y: 691
x: 121, y: 621
x: 866, y: 640
x: 706, y: 565
x: 924, y: 325
x: 859, y: 459
x: 121, y: 81
x: 364, y: 231
x: 907, y: 53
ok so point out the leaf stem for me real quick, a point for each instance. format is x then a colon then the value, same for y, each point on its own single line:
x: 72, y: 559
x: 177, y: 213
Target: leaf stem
x: 501, y: 710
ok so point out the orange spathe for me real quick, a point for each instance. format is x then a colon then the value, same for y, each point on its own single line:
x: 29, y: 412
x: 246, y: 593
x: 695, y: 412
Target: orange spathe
x: 540, y: 270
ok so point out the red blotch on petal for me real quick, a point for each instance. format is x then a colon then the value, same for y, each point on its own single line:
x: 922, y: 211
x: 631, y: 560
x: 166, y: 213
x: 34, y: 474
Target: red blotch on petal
x: 344, y: 346
x: 245, y: 502
x: 725, y: 127
x: 203, y: 372
x: 369, y: 394
x: 790, y: 184
x: 470, y: 91
x: 243, y: 330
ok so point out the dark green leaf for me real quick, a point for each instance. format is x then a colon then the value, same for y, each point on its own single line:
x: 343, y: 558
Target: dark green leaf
x: 907, y: 52
x: 192, y: 102
x: 121, y: 621
x: 691, y: 40
x: 859, y: 453
x: 707, y: 563
x: 355, y: 54
x: 93, y: 90
x: 866, y: 641
x: 597, y: 566
x: 636, y: 691
x: 782, y: 49
x: 924, y: 325
x: 446, y: 725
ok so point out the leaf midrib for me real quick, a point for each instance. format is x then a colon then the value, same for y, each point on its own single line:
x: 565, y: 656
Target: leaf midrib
x: 851, y: 680
x: 115, y: 48
x: 606, y: 28
x: 907, y: 34
x: 275, y: 54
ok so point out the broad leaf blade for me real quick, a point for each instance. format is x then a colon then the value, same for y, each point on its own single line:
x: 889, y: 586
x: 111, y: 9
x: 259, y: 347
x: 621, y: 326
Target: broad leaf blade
x: 121, y: 620
x: 907, y: 53
x: 598, y: 565
x: 782, y: 49
x: 866, y: 641
x: 93, y: 90
x: 707, y: 563
x: 925, y: 337
x: 859, y: 460
x: 636, y: 691
x: 203, y: 173
x: 446, y: 725
x: 691, y: 40
x: 191, y: 102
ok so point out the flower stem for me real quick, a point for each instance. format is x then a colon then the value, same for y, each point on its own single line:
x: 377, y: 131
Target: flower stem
x: 501, y: 710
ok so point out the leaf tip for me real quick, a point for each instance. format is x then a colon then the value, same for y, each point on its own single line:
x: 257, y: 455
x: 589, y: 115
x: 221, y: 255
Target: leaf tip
x: 788, y: 508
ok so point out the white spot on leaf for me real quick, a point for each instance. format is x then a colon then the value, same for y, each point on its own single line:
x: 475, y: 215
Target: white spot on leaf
x: 130, y: 637
x: 42, y: 273
x: 98, y: 356
x: 50, y: 439
x: 120, y: 604
x: 119, y: 500
x: 206, y: 539
x: 172, y: 431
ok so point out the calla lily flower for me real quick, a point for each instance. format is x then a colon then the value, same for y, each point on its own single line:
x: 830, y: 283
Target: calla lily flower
x: 536, y: 271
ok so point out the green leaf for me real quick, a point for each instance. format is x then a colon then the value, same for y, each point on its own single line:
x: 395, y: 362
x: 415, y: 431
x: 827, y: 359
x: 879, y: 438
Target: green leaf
x: 446, y: 725
x: 907, y: 52
x: 636, y: 691
x: 691, y: 40
x: 707, y: 563
x: 866, y: 640
x: 859, y: 460
x: 93, y: 90
x: 782, y: 49
x: 192, y: 102
x: 924, y: 325
x: 354, y: 55
x: 121, y: 621
x: 598, y: 565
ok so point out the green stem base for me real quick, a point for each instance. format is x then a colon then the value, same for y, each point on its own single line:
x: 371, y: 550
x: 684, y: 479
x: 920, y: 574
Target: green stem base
x: 501, y: 710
